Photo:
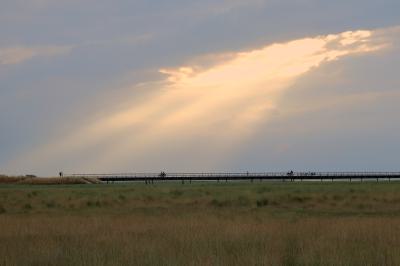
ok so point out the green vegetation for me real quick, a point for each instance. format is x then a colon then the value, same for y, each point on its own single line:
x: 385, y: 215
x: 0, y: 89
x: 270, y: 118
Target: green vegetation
x: 32, y: 180
x: 201, y: 224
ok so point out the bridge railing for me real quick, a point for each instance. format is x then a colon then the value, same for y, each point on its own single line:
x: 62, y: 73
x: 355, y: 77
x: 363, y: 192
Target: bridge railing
x: 242, y: 174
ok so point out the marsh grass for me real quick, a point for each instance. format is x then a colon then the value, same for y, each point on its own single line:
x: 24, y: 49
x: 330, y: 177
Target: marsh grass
x: 2, y: 209
x: 201, y: 224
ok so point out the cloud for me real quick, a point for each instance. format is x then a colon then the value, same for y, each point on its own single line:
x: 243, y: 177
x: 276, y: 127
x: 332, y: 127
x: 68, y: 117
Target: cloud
x: 129, y: 40
x: 215, y: 106
x: 19, y: 54
x: 226, y: 6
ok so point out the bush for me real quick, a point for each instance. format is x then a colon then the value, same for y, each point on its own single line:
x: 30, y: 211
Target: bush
x: 220, y: 203
x: 27, y: 206
x: 176, y: 193
x: 122, y: 197
x: 262, y: 190
x: 243, y: 201
x: 299, y: 199
x: 50, y: 204
x: 93, y: 203
x: 2, y: 209
x: 262, y: 202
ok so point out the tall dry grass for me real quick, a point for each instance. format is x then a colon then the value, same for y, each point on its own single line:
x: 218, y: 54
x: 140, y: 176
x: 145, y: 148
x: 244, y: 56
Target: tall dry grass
x: 198, y: 240
x: 171, y: 224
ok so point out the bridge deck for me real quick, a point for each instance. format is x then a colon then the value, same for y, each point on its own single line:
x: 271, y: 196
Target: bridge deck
x: 295, y: 176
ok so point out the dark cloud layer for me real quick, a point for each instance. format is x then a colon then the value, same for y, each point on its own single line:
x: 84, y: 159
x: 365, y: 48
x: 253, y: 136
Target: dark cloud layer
x: 116, y: 44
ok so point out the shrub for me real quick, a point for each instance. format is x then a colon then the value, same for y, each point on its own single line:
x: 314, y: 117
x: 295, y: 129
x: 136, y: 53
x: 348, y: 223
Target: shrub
x: 262, y: 202
x: 148, y: 198
x: 176, y: 193
x: 263, y: 190
x: 27, y: 206
x: 122, y: 197
x: 220, y: 203
x: 96, y: 203
x: 243, y: 201
x: 299, y: 199
x: 337, y: 197
x: 50, y: 204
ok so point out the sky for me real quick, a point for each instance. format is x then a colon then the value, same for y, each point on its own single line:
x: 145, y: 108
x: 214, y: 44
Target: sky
x: 225, y: 85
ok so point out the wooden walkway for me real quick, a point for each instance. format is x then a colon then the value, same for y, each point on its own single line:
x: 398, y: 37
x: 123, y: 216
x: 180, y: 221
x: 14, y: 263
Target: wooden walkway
x: 267, y: 176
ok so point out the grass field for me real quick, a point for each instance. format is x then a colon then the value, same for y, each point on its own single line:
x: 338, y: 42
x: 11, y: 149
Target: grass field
x: 201, y: 224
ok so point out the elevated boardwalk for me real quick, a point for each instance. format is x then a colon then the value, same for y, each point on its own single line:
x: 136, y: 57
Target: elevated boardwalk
x: 268, y: 176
